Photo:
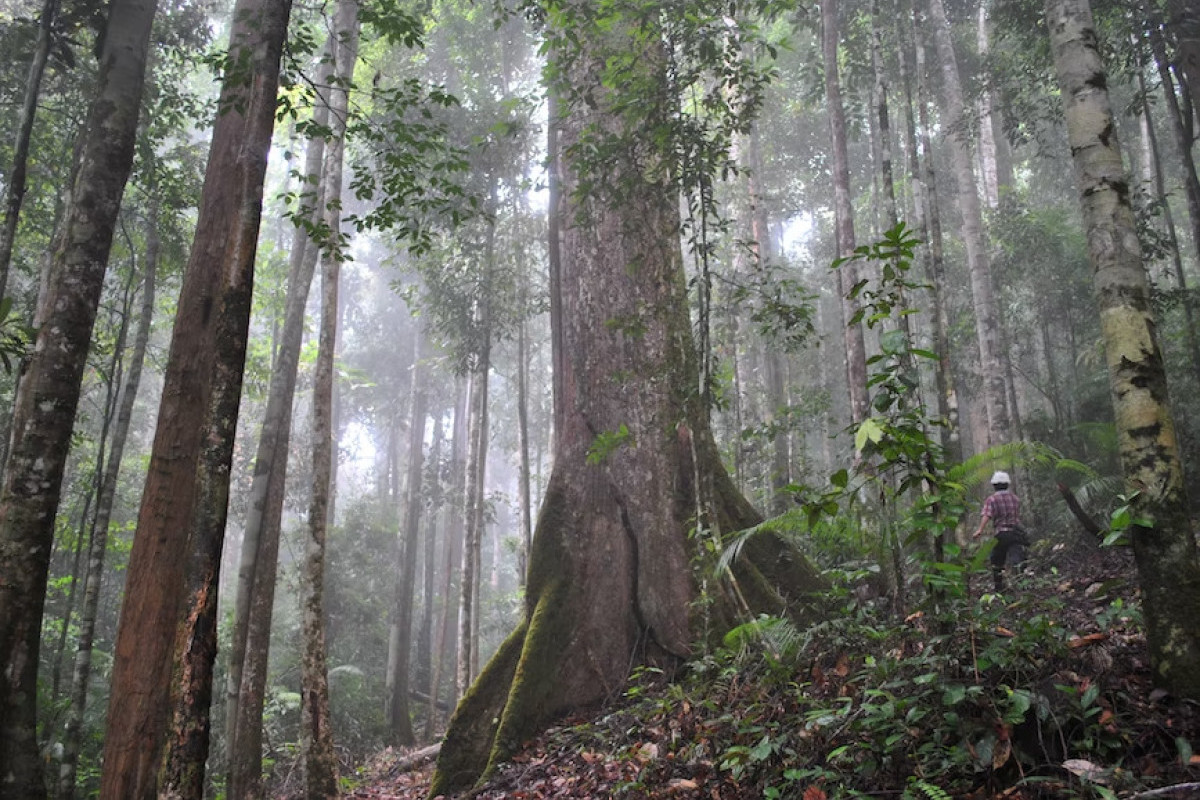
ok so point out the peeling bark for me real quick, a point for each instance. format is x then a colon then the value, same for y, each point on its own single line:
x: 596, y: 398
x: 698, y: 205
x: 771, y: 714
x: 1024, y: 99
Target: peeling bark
x: 1165, y: 551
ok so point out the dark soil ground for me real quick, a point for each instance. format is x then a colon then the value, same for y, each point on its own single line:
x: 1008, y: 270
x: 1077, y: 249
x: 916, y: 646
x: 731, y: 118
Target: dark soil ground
x: 1067, y: 636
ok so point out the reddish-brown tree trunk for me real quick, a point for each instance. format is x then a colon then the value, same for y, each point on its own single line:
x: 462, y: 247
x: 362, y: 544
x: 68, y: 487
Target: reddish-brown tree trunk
x: 162, y: 655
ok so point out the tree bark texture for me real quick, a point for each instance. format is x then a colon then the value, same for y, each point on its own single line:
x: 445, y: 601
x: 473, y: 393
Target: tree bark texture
x: 14, y: 190
x: 611, y: 582
x: 1165, y: 550
x: 847, y: 274
x: 400, y: 640
x: 987, y: 327
x: 318, y: 760
x: 1185, y: 26
x: 176, y: 552
x: 257, y: 572
x: 48, y: 394
x: 73, y: 727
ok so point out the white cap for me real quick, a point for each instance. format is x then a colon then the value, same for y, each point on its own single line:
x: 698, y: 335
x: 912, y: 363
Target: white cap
x: 1000, y: 477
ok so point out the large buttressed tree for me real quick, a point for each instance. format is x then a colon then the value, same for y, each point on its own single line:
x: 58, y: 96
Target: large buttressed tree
x: 1163, y: 544
x: 611, y: 577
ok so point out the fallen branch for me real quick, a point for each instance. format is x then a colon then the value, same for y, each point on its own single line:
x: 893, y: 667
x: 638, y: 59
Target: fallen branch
x: 1090, y: 525
x: 1167, y: 791
x: 415, y: 759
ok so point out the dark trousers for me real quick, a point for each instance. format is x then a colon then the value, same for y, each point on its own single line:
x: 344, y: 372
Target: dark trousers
x: 1010, y: 548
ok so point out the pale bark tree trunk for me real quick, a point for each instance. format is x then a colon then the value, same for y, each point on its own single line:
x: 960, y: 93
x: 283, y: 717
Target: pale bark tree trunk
x: 400, y: 639
x: 935, y: 266
x: 318, y: 760
x: 424, y: 644
x: 468, y: 606
x: 524, y: 511
x: 182, y: 515
x: 14, y: 189
x: 847, y: 274
x: 256, y: 572
x: 455, y: 535
x: 611, y: 582
x: 773, y: 367
x: 989, y: 172
x: 73, y: 728
x: 991, y: 357
x: 1165, y: 550
x: 48, y: 394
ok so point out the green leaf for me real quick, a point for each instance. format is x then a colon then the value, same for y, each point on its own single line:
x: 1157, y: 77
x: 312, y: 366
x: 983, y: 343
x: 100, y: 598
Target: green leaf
x: 869, y: 430
x: 893, y: 342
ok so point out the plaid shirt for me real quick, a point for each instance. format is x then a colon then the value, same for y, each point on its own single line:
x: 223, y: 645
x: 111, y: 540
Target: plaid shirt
x: 1004, y: 509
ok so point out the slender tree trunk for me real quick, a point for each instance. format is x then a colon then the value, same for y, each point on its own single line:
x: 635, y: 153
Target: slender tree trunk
x: 524, y: 512
x: 1185, y: 25
x: 986, y: 323
x: 270, y: 463
x: 319, y: 763
x: 847, y: 274
x: 176, y: 553
x: 1164, y: 548
x: 455, y: 535
x: 1183, y: 140
x: 400, y: 640
x: 425, y: 647
x: 1155, y: 175
x: 773, y: 366
x: 73, y: 728
x: 48, y: 395
x: 988, y: 157
x: 473, y: 506
x: 883, y: 122
x: 14, y: 189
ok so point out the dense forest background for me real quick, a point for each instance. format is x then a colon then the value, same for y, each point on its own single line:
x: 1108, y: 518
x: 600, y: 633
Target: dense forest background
x: 805, y: 131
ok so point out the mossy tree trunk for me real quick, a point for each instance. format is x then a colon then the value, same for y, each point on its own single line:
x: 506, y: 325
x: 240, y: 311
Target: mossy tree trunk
x: 611, y: 581
x: 47, y: 397
x: 1164, y: 549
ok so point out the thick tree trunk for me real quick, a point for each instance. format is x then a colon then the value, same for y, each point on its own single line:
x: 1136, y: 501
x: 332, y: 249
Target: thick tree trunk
x: 14, y: 189
x: 1165, y: 549
x: 176, y: 551
x: 46, y: 400
x: 73, y: 728
x: 987, y: 327
x: 255, y: 573
x: 847, y: 275
x: 611, y: 582
x: 400, y: 639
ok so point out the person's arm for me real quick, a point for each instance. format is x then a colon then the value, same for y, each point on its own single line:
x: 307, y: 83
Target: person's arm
x: 984, y: 516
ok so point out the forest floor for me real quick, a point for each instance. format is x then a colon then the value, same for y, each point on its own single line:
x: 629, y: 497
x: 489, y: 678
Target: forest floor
x: 1043, y: 692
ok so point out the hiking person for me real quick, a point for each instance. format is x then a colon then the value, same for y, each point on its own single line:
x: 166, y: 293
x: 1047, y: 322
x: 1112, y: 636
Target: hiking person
x: 1003, y: 509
